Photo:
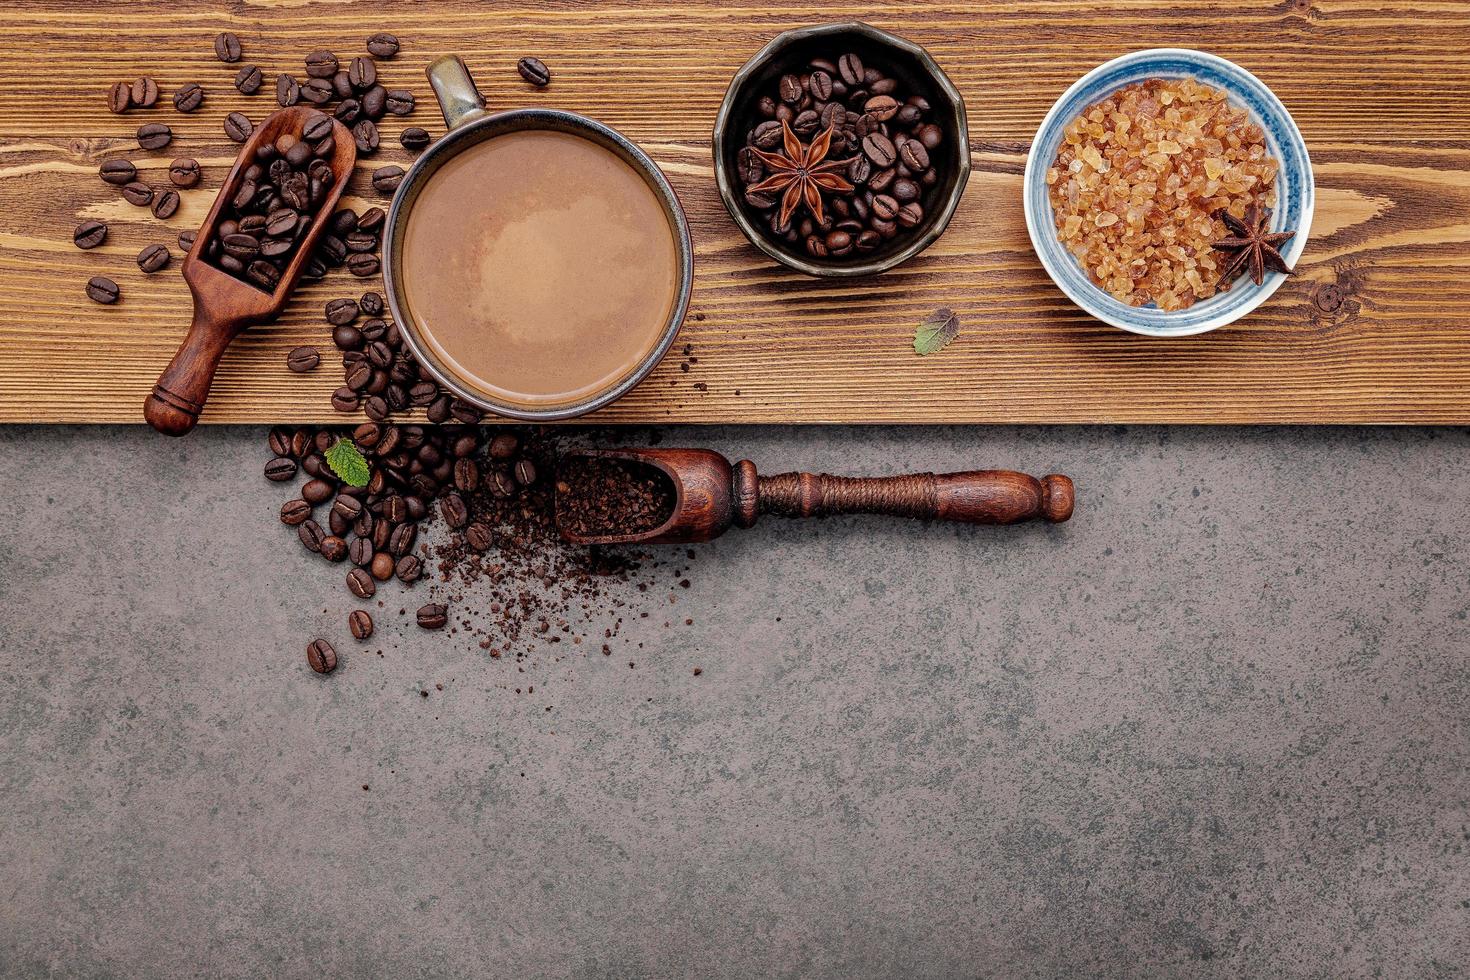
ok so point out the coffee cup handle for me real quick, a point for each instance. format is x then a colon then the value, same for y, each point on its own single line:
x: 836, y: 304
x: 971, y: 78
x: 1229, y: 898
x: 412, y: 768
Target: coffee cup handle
x: 459, y: 100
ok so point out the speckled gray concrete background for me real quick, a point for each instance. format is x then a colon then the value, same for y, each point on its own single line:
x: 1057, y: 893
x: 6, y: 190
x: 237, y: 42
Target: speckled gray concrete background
x: 1217, y: 726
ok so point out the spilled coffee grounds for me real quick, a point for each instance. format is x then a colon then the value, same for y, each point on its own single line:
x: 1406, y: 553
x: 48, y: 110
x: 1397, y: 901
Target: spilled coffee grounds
x: 600, y: 495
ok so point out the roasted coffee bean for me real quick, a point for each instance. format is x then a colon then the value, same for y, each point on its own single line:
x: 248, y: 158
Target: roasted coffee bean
x: 264, y: 274
x: 478, y: 537
x: 118, y: 172
x: 372, y: 219
x: 248, y: 80
x: 321, y: 64
x: 295, y: 511
x: 362, y: 264
x: 321, y: 656
x: 374, y: 102
x: 288, y: 90
x: 421, y: 394
x: 347, y: 337
x: 311, y: 535
x: 911, y: 214
x: 154, y: 136
x: 386, y: 180
x: 381, y: 566
x: 466, y: 413
x: 525, y: 472
x: 503, y: 446
x: 184, y: 172
x: 820, y: 85
x: 362, y: 73
x: 120, y: 97
x: 879, y: 149
x: 347, y: 111
x: 414, y: 138
x: 145, y: 92
x: 317, y: 91
x: 360, y: 583
x: 433, y: 616
x: 282, y: 223
x: 280, y: 469
x: 914, y: 155
x: 153, y: 258
x: 279, y: 441
x: 238, y: 127
x: 227, y: 47
x: 376, y: 407
x: 399, y: 102
x: 361, y: 241
x: 165, y: 204
x: 188, y: 98
x: 186, y: 240
x: 303, y: 359
x: 931, y: 136
x: 438, y: 410
x: 101, y: 289
x: 89, y: 234
x: 501, y: 483
x: 347, y: 506
x: 881, y: 107
x: 789, y: 89
x: 904, y: 190
x: 317, y: 491
x: 360, y: 624
x: 360, y: 552
x: 382, y: 45
x: 240, y: 245
x: 365, y: 135
x: 456, y: 513
x: 408, y: 569
x: 334, y: 549
x: 317, y: 128
x: 301, y: 442
x: 340, y: 312
x: 850, y: 66
x: 534, y: 71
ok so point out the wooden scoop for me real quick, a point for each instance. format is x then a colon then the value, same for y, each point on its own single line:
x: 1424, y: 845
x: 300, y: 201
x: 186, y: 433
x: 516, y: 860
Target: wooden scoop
x: 224, y: 305
x: 710, y: 495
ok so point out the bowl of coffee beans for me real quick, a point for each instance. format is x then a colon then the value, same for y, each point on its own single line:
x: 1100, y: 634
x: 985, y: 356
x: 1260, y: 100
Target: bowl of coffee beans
x: 841, y: 150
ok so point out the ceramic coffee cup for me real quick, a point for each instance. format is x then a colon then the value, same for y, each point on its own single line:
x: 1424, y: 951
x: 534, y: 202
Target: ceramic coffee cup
x: 470, y: 123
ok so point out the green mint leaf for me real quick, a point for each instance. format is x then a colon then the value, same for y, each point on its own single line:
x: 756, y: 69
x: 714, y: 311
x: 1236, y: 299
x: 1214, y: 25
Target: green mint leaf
x: 937, y: 330
x: 346, y: 461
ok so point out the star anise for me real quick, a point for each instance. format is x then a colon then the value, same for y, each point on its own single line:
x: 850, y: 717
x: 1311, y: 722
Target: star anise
x: 1254, y: 247
x: 801, y: 173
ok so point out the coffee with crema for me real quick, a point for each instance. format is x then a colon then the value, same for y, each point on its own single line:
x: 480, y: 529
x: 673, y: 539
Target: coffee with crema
x: 540, y: 268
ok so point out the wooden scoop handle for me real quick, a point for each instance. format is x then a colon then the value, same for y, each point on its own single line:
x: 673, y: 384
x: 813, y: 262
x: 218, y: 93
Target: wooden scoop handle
x: 174, y: 405
x: 976, y: 497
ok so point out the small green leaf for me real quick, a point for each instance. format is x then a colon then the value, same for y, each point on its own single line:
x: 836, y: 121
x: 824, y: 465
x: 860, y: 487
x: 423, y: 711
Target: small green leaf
x: 937, y: 330
x: 346, y: 461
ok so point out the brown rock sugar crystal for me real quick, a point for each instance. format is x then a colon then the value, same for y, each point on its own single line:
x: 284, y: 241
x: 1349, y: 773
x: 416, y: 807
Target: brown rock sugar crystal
x: 1137, y: 182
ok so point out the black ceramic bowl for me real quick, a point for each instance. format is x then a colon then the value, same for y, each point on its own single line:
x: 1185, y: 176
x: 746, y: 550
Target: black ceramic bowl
x: 917, y: 73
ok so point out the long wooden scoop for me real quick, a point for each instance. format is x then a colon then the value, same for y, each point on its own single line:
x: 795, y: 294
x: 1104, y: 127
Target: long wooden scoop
x: 224, y: 305
x: 710, y: 495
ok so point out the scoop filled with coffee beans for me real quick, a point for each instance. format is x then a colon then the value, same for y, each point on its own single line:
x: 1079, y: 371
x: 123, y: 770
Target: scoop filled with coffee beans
x: 274, y: 207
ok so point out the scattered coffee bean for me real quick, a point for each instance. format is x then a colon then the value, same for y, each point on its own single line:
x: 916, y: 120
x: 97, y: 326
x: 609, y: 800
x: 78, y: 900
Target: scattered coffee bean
x: 227, y: 47
x: 188, y: 98
x: 90, y: 234
x: 381, y: 567
x: 360, y: 623
x: 120, y: 97
x: 303, y: 359
x: 153, y: 258
x: 408, y: 569
x: 360, y: 583
x: 365, y: 135
x: 165, y: 204
x: 333, y: 548
x: 101, y: 289
x: 478, y: 537
x: 293, y: 512
x: 154, y: 136
x: 525, y: 472
x: 372, y: 219
x: 238, y: 127
x: 534, y: 71
x: 414, y: 138
x: 399, y: 102
x: 288, y: 90
x: 145, y: 92
x: 362, y: 264
x: 321, y: 64
x: 340, y: 312
x: 317, y: 91
x: 382, y: 45
x: 280, y: 469
x: 344, y: 400
x: 503, y: 446
x: 184, y: 172
x: 316, y: 491
x: 311, y: 535
x: 433, y: 616
x: 117, y: 172
x: 362, y: 73
x: 186, y: 240
x: 249, y: 79
x: 321, y: 656
x: 386, y: 179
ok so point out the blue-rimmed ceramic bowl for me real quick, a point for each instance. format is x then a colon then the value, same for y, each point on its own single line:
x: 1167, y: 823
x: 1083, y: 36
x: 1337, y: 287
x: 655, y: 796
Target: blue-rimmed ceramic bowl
x: 1294, y: 189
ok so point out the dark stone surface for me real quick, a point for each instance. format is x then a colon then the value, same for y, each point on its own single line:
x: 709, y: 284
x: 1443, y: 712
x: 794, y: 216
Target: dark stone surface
x: 1216, y: 726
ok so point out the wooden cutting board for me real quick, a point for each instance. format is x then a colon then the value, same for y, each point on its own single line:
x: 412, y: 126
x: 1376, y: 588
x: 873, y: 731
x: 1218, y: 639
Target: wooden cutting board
x: 1376, y: 328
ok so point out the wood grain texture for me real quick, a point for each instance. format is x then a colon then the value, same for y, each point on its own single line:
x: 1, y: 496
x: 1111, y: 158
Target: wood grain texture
x: 1377, y: 90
